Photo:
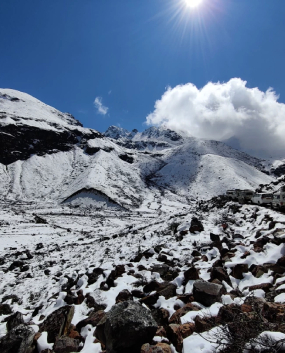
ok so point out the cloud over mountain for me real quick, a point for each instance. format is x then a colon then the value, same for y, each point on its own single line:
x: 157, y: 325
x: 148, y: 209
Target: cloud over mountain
x: 101, y: 109
x: 222, y: 110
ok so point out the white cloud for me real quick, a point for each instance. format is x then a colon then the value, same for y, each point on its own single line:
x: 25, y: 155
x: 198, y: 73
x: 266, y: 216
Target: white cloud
x: 101, y: 109
x: 222, y: 110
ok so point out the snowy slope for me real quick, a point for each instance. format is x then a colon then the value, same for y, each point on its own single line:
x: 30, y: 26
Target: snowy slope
x: 18, y: 108
x: 48, y: 156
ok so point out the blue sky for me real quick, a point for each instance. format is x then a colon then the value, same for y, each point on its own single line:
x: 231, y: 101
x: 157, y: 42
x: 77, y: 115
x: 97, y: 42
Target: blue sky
x: 68, y: 52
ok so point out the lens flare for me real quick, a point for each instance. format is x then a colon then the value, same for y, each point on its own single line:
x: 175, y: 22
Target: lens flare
x: 193, y: 3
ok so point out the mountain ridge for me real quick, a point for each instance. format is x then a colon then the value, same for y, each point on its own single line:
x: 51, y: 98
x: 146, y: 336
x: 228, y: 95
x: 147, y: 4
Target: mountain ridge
x: 49, y: 155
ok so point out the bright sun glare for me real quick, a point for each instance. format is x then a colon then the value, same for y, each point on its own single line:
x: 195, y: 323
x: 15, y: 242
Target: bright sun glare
x: 193, y: 3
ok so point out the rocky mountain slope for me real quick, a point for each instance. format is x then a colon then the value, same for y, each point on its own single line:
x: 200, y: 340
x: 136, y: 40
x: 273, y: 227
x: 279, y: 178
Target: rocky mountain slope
x: 118, y: 242
x: 48, y: 155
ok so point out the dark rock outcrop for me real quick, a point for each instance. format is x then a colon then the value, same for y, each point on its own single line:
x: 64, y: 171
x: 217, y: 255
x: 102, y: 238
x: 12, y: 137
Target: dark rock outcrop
x: 20, y: 141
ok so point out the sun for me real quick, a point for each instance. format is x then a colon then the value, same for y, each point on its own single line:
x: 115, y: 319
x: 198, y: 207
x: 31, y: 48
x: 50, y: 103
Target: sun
x: 193, y: 3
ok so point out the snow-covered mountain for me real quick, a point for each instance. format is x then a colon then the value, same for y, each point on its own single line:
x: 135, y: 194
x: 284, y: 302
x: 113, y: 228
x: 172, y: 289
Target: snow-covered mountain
x: 186, y: 265
x: 48, y: 155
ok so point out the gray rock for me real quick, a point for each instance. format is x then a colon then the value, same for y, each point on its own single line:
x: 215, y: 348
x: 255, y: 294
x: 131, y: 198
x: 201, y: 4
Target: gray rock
x: 57, y: 323
x: 126, y: 327
x: 207, y: 293
x: 18, y: 340
x: 5, y: 309
x: 14, y: 321
x: 66, y: 344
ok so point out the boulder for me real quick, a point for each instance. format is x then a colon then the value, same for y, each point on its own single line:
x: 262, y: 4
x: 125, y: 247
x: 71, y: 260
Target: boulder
x: 14, y: 321
x: 161, y: 316
x: 93, y: 319
x: 220, y: 274
x: 129, y: 320
x: 274, y: 312
x: 158, y: 348
x: 175, y: 318
x: 238, y: 270
x: 94, y: 275
x: 166, y: 272
x: 207, y: 293
x: 168, y: 291
x: 18, y: 340
x: 215, y: 237
x: 201, y: 324
x: 66, y: 345
x: 191, y: 274
x: 175, y: 336
x: 5, y: 309
x: 196, y: 225
x: 187, y: 329
x: 91, y: 303
x: 57, y: 323
x: 124, y: 296
x: 281, y: 261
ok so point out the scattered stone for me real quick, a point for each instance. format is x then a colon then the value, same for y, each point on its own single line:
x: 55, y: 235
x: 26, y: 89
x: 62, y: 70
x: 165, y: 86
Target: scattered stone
x: 207, y: 293
x: 245, y: 255
x: 93, y: 319
x: 281, y: 261
x: 57, y: 323
x: 195, y: 253
x: 274, y: 312
x: 175, y: 336
x: 238, y: 270
x: 215, y: 237
x: 15, y: 264
x: 220, y: 274
x: 263, y: 286
x: 5, y: 309
x: 138, y: 293
x: 202, y: 324
x: 175, y: 318
x: 196, y: 225
x: 66, y: 344
x: 14, y: 298
x: 93, y: 277
x: 123, y: 296
x: 126, y: 319
x: 14, y: 320
x: 158, y: 348
x: 187, y: 329
x: 91, y: 303
x: 161, y: 316
x: 18, y: 340
x: 258, y: 270
x: 191, y: 274
x: 40, y: 220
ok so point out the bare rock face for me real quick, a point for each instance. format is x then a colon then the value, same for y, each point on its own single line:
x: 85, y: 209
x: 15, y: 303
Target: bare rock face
x: 57, y: 323
x: 126, y: 327
x: 18, y: 340
x: 207, y: 293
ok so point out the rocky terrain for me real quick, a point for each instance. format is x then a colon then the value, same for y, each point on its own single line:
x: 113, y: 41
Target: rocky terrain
x: 120, y: 243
